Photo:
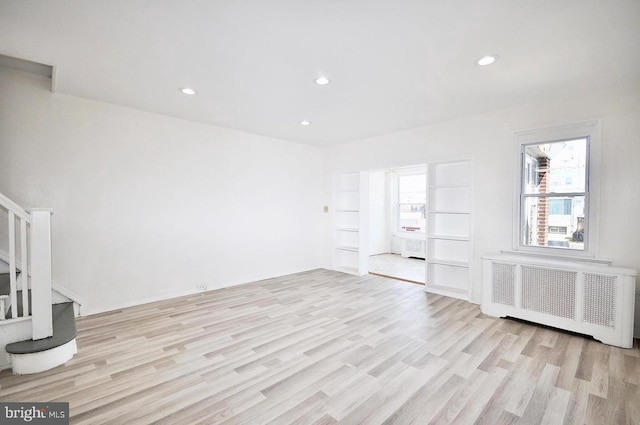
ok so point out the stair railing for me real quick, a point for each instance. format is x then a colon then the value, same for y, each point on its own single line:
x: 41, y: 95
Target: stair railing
x: 29, y: 237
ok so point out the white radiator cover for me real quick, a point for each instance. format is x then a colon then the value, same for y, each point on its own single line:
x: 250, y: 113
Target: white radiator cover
x: 413, y: 248
x: 588, y: 298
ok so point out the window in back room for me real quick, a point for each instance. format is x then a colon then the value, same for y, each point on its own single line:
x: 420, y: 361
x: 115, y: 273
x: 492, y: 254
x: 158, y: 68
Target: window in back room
x: 412, y: 196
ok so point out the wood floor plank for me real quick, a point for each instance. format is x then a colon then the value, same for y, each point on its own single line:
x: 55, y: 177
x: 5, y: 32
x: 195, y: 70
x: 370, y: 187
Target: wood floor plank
x: 474, y: 406
x: 459, y: 399
x: 537, y: 406
x: 578, y: 400
x: 556, y: 407
x: 569, y: 364
x: 435, y: 393
x: 322, y: 347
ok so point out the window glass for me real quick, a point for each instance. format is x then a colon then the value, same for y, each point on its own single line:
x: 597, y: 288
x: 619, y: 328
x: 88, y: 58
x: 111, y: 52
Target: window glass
x: 560, y: 206
x: 413, y: 189
x: 412, y: 197
x: 553, y: 194
x: 558, y: 167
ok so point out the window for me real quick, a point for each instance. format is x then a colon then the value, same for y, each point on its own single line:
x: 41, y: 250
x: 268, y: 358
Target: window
x: 557, y: 230
x: 555, y: 188
x: 412, y: 197
x: 560, y: 206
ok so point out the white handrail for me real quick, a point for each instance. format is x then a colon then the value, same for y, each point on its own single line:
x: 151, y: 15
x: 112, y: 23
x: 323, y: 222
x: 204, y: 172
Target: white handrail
x: 9, y: 205
x: 34, y: 230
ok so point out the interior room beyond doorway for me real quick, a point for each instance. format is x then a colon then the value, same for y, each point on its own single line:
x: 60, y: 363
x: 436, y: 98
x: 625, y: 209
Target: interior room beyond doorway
x: 397, y: 223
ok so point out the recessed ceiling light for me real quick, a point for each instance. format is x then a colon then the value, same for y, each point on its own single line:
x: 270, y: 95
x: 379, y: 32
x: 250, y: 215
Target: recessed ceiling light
x: 305, y: 122
x: 487, y: 60
x: 322, y: 81
x: 187, y: 90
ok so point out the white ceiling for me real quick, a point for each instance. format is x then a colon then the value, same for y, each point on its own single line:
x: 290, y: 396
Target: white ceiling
x: 394, y: 64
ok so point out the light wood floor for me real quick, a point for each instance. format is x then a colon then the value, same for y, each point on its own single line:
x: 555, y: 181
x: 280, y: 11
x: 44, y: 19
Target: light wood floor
x: 322, y: 348
x: 397, y: 266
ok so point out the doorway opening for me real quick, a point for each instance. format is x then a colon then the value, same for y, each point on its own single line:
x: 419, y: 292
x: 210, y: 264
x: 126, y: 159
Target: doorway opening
x: 397, y: 223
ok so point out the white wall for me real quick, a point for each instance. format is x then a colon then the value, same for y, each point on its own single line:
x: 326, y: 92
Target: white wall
x: 488, y: 139
x: 379, y: 231
x: 147, y: 206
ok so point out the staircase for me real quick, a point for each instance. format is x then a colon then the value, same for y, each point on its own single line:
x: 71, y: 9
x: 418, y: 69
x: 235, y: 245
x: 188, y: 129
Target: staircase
x: 5, y: 296
x: 37, y: 324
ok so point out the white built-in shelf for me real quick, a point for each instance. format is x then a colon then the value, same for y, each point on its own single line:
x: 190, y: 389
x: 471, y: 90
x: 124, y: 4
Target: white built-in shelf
x: 447, y: 212
x: 452, y: 263
x: 350, y: 220
x: 450, y: 238
x: 346, y: 269
x: 447, y: 186
x: 447, y: 291
x: 348, y: 248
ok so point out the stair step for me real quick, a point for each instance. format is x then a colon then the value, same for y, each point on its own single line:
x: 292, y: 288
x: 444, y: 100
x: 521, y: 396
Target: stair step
x: 5, y: 289
x: 5, y: 283
x: 64, y: 330
x: 19, y: 300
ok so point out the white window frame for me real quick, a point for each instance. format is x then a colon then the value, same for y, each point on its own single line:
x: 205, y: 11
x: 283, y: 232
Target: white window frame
x: 589, y: 130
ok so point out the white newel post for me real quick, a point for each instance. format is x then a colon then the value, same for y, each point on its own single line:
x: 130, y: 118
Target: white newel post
x: 41, y: 273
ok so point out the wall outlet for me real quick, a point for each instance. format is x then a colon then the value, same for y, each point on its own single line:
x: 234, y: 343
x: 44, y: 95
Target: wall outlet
x: 326, y: 208
x: 201, y: 287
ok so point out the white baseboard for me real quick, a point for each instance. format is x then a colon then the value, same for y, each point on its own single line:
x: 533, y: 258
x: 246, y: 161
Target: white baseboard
x: 104, y: 309
x: 88, y: 311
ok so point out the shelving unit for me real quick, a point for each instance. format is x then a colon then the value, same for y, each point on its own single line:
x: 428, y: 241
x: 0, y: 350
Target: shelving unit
x: 350, y: 218
x: 449, y: 229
